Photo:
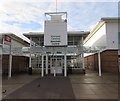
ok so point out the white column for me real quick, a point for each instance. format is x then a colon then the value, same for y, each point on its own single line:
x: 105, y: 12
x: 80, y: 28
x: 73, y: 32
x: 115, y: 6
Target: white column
x: 42, y: 74
x: 50, y: 61
x: 30, y: 54
x: 54, y: 72
x: 83, y: 60
x: 99, y: 63
x: 46, y: 64
x: 65, y: 65
x: 30, y: 60
x: 83, y: 54
x: 10, y: 66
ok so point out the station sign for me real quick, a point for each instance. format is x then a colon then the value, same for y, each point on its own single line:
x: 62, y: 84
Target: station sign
x: 7, y: 40
x: 6, y: 44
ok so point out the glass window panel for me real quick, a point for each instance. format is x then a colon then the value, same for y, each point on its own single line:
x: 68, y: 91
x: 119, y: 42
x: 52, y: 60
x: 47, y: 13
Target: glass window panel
x: 70, y: 43
x: 1, y: 39
x: 119, y: 37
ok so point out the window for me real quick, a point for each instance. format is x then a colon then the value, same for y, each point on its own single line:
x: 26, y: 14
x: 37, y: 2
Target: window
x: 74, y: 40
x: 1, y: 39
x: 38, y: 41
x: 119, y: 37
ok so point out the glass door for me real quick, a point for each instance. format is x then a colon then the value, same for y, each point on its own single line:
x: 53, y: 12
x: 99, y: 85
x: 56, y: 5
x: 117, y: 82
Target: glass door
x: 56, y: 64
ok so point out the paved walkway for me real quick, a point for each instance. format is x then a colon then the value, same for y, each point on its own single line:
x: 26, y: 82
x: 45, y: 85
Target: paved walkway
x: 48, y: 87
x: 16, y: 82
x: 91, y: 86
x: 88, y: 86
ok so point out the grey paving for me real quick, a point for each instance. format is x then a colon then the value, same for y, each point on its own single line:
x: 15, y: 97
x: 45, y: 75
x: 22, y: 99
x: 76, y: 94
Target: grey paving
x: 17, y: 81
x: 91, y: 86
x: 88, y: 86
x: 45, y: 88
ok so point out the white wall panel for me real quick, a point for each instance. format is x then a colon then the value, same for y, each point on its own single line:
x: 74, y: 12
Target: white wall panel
x: 17, y: 44
x: 112, y: 35
x: 98, y: 39
x: 55, y: 29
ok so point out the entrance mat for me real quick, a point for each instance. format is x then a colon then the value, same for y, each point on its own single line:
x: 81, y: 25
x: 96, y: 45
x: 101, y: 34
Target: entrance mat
x: 48, y: 87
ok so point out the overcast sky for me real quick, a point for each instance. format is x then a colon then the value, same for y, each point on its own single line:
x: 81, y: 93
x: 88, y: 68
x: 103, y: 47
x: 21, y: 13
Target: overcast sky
x: 20, y: 16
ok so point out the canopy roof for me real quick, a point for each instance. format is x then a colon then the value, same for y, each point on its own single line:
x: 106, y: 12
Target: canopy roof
x: 53, y: 50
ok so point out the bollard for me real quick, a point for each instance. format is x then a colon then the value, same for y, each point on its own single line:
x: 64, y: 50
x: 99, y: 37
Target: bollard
x: 54, y: 73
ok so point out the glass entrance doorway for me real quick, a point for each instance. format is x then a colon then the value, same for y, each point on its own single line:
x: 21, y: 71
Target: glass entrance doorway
x: 56, y: 64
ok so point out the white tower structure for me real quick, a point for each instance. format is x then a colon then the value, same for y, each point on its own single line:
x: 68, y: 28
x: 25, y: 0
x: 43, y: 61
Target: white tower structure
x: 55, y: 29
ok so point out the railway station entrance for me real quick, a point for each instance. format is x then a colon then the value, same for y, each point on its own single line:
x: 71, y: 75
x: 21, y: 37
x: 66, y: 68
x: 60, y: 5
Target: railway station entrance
x: 56, y: 50
x: 56, y: 60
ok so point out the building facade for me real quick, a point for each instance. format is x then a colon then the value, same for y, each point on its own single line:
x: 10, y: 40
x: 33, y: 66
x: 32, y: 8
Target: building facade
x: 56, y: 50
x: 105, y: 33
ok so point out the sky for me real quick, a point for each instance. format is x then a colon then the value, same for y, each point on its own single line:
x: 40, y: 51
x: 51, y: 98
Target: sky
x: 23, y: 16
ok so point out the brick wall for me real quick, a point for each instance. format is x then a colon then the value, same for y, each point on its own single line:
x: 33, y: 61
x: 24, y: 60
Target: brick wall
x: 19, y: 64
x: 109, y: 61
x: 5, y: 63
x: 89, y: 62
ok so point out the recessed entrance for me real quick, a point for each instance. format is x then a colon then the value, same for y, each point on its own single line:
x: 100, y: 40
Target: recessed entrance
x: 56, y: 64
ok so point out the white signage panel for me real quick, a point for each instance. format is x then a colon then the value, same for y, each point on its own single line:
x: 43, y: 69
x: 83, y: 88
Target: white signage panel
x: 55, y: 34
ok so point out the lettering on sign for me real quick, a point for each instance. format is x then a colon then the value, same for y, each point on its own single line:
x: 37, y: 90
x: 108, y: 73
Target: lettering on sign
x: 55, y: 40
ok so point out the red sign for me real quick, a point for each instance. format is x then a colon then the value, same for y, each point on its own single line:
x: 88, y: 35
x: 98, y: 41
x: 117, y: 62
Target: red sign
x: 7, y: 38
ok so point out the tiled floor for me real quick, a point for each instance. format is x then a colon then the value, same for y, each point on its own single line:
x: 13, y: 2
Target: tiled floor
x: 88, y: 86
